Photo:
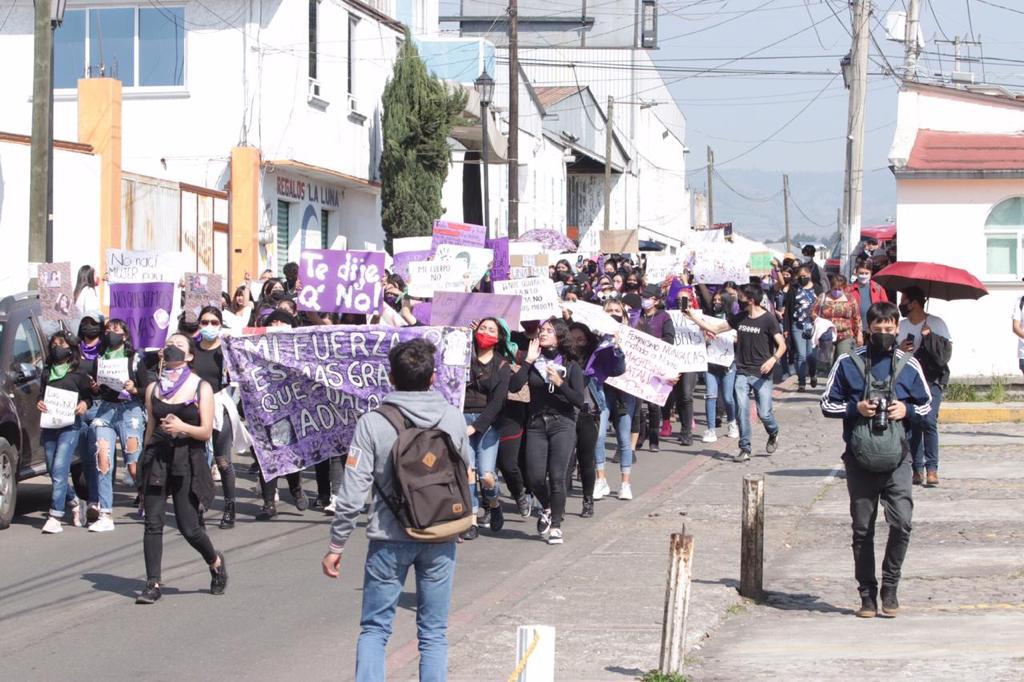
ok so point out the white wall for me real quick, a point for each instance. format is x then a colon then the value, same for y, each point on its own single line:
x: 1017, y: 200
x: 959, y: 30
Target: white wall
x: 76, y: 224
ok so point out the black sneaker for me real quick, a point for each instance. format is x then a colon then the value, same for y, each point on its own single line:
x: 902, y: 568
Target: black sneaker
x: 524, y: 504
x: 588, y: 508
x: 301, y: 501
x: 544, y: 523
x: 471, y: 533
x: 773, y: 443
x: 890, y: 604
x: 219, y: 576
x: 868, y: 607
x: 497, y: 520
x: 268, y: 512
x: 686, y: 439
x: 485, y: 517
x: 149, y: 595
x: 814, y: 382
x: 319, y: 504
x: 254, y: 468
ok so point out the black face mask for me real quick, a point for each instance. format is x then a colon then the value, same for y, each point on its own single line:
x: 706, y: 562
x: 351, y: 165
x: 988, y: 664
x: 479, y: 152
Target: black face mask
x: 617, y: 318
x: 114, y: 340
x: 803, y: 280
x: 174, y: 354
x: 882, y: 342
x: 59, y: 355
x: 904, y: 309
x: 89, y: 331
x: 718, y: 308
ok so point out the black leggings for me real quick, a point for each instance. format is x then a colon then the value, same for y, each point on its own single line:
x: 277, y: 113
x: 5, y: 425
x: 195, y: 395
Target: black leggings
x: 586, y: 441
x: 268, y: 488
x: 550, y: 440
x: 510, y: 431
x: 682, y: 398
x: 189, y: 520
x: 328, y: 478
x: 223, y: 442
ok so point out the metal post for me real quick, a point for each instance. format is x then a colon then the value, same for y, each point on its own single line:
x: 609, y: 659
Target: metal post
x: 513, y: 119
x: 752, y: 542
x: 711, y: 194
x: 608, y: 163
x: 483, y: 160
x: 785, y: 209
x: 42, y: 94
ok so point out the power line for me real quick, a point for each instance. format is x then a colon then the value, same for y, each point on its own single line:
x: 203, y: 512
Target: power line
x: 792, y: 200
x: 741, y: 194
x: 996, y: 4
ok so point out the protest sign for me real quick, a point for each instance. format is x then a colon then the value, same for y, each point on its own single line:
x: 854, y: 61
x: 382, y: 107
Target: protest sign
x: 145, y: 266
x: 112, y: 372
x: 458, y: 309
x: 304, y: 389
x: 650, y: 362
x: 539, y: 298
x: 60, y: 408
x: 56, y: 291
x: 660, y: 266
x: 340, y: 281
x: 619, y: 241
x: 526, y: 271
x: 146, y: 309
x: 500, y: 266
x: 478, y: 259
x: 690, y: 343
x: 760, y: 263
x: 593, y: 316
x: 201, y: 290
x: 406, y: 244
x: 459, y: 234
x: 722, y: 349
x: 426, y: 277
x: 718, y: 264
x: 400, y: 261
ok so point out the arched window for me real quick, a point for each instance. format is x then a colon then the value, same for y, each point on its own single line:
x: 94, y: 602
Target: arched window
x: 1004, y: 231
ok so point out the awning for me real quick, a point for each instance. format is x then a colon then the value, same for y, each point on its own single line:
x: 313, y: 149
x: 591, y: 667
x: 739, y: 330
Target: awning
x: 470, y: 136
x: 325, y: 175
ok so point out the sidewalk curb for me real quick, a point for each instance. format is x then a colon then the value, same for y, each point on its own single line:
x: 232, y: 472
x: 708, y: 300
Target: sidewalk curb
x: 982, y: 413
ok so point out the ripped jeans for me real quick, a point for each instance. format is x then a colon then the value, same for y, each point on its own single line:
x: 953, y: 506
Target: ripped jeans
x: 124, y: 421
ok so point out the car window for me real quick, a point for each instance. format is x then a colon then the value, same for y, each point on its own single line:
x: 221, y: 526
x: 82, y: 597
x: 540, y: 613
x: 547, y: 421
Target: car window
x: 26, y: 347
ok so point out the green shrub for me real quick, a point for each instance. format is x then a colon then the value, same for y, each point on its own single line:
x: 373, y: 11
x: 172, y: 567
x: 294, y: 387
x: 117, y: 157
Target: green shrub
x: 655, y: 676
x: 997, y: 393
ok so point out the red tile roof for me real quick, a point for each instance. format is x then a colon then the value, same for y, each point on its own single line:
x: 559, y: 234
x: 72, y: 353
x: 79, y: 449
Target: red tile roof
x: 549, y: 96
x: 936, y: 150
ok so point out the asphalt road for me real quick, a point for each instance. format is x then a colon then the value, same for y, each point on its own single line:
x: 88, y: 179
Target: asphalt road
x: 67, y: 601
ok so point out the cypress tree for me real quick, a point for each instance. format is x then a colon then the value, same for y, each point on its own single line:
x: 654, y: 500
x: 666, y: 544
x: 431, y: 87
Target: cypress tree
x: 418, y: 117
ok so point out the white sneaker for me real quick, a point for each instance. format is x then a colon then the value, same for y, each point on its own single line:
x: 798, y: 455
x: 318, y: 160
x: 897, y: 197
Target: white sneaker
x: 53, y: 525
x: 709, y: 436
x: 332, y: 506
x: 601, y: 488
x: 625, y: 492
x: 104, y: 524
x: 555, y: 538
x: 734, y: 430
x: 78, y: 514
x: 215, y: 472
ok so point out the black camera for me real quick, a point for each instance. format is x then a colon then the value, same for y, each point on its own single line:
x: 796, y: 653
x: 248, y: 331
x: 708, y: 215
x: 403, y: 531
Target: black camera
x: 880, y: 422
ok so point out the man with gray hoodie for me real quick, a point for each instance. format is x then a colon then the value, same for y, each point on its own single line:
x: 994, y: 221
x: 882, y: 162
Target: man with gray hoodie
x: 392, y: 551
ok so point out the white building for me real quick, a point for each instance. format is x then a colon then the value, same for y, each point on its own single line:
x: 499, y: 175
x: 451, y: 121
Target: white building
x: 958, y: 158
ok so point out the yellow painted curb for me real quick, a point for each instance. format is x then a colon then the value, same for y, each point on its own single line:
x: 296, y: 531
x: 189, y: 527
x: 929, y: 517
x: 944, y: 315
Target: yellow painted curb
x: 965, y: 414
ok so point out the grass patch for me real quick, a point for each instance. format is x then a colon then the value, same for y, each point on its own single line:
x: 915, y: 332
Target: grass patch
x: 655, y: 676
x: 997, y: 392
x: 960, y: 393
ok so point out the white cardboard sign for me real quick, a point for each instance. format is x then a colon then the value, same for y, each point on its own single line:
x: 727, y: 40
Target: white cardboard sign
x: 112, y: 372
x: 60, y: 408
x: 426, y: 277
x: 540, y: 301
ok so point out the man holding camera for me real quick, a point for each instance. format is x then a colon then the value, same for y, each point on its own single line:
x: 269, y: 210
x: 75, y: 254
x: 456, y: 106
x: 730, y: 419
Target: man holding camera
x: 873, y: 392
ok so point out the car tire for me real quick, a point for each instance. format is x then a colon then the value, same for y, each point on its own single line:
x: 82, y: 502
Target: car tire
x: 8, y: 482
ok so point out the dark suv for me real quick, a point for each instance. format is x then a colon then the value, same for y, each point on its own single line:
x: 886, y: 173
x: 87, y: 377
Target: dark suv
x: 23, y: 335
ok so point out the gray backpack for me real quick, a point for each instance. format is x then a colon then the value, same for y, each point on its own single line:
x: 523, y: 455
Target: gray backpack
x: 878, y: 450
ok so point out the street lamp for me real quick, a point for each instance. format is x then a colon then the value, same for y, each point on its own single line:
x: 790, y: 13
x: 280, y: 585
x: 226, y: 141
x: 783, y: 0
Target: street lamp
x: 484, y: 85
x: 57, y: 8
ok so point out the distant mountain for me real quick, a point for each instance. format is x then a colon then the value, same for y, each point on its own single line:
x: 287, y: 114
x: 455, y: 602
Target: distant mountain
x: 817, y: 194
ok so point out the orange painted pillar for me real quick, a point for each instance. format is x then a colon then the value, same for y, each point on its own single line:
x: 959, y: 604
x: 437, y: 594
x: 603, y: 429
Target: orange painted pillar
x: 99, y: 125
x: 244, y: 228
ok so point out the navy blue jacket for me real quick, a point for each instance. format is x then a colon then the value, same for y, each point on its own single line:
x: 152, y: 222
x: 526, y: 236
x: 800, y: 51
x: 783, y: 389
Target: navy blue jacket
x: 845, y: 388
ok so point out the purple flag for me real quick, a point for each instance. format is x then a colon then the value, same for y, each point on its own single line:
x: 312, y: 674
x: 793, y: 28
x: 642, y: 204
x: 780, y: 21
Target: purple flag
x: 400, y: 266
x: 675, y: 287
x: 500, y: 267
x: 341, y: 281
x: 304, y: 389
x: 460, y: 234
x: 146, y: 309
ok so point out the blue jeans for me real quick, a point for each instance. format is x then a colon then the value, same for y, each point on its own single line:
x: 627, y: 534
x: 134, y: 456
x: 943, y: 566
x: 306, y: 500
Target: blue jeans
x: 720, y: 381
x: 124, y: 421
x: 763, y: 390
x: 484, y: 448
x: 60, y: 446
x: 387, y: 564
x: 623, y: 425
x: 924, y: 434
x: 806, y: 359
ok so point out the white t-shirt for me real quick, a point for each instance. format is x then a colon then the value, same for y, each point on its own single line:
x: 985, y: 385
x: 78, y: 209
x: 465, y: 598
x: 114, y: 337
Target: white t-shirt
x: 1018, y: 316
x: 88, y: 301
x: 934, y: 323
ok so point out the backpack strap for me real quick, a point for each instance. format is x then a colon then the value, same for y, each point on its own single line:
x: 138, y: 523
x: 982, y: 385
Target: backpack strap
x: 395, y: 417
x: 864, y: 371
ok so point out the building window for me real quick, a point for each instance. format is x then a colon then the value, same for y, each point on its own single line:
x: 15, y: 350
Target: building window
x: 283, y: 235
x: 353, y: 23
x: 140, y: 46
x: 1004, y: 240
x: 325, y: 224
x: 314, y: 11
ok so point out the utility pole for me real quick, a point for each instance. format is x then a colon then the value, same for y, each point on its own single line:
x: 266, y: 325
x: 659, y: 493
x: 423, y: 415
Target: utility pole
x: 911, y: 49
x: 513, y: 119
x: 785, y: 208
x: 857, y: 82
x: 42, y: 143
x: 711, y: 195
x: 608, y: 163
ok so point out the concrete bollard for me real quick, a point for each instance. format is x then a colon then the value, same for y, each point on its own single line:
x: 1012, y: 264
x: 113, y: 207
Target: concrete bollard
x: 535, y: 654
x: 752, y: 542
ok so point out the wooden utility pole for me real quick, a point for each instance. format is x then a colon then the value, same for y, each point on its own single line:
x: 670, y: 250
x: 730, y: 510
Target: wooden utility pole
x: 857, y: 81
x: 608, y: 163
x: 42, y: 137
x: 711, y: 195
x: 677, y: 602
x: 513, y: 119
x: 785, y: 209
x: 911, y: 49
x: 752, y: 541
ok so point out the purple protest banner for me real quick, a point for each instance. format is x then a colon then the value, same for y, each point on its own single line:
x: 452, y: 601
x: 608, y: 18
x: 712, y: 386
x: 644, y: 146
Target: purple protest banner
x: 674, y: 289
x: 400, y: 264
x: 146, y: 309
x: 421, y: 311
x: 500, y: 267
x: 341, y: 281
x: 460, y: 234
x: 457, y: 309
x: 303, y: 389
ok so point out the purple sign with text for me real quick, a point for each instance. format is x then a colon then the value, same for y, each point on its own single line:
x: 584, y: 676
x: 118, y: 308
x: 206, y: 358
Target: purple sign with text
x: 146, y: 309
x: 459, y: 309
x: 400, y: 264
x: 500, y: 267
x: 304, y: 389
x: 460, y: 234
x: 340, y: 281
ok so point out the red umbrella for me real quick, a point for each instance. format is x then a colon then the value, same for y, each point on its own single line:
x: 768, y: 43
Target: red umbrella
x: 937, y: 281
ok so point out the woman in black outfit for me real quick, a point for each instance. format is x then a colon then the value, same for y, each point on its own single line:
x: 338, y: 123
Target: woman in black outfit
x: 556, y: 392
x: 180, y: 409
x: 585, y: 343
